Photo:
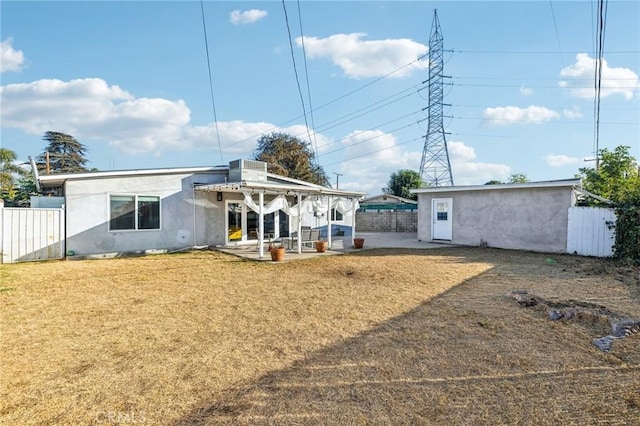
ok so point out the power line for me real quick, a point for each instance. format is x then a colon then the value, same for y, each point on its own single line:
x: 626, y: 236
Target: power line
x: 332, y: 123
x: 306, y: 74
x: 555, y: 26
x: 213, y: 99
x: 295, y: 70
x: 602, y: 22
x: 535, y: 52
x: 366, y: 154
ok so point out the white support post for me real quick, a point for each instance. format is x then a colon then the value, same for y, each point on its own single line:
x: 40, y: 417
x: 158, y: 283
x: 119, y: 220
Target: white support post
x: 299, y: 223
x: 261, y: 223
x: 329, y: 221
x: 353, y: 221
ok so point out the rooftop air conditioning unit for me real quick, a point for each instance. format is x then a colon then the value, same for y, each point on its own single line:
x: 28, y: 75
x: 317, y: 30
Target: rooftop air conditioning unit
x: 247, y: 170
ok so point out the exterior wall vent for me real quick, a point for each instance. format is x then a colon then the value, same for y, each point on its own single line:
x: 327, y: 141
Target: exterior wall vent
x: 243, y: 170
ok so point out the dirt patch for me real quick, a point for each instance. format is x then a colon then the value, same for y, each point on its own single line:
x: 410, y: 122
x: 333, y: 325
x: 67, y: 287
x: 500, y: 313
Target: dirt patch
x: 396, y: 336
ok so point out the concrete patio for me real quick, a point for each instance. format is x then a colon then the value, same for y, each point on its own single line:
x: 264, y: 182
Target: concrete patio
x: 340, y: 245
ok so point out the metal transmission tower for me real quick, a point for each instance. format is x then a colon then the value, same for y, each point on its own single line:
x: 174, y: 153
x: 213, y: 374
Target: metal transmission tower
x: 435, y: 168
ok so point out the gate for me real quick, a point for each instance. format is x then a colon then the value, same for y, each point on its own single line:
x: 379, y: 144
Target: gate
x: 589, y: 231
x: 31, y: 234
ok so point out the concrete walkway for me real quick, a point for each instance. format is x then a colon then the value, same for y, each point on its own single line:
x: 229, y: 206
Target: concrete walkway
x: 340, y: 245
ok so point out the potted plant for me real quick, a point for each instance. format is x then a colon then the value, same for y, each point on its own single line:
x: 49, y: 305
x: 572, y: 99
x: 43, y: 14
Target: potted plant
x: 358, y: 242
x: 321, y: 245
x: 277, y: 252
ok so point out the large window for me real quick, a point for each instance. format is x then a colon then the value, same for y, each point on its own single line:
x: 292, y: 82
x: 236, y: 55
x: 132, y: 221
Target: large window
x: 336, y: 215
x: 131, y: 212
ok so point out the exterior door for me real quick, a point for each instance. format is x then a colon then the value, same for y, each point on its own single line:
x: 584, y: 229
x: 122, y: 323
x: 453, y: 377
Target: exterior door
x: 243, y: 223
x: 441, y: 219
x: 236, y: 217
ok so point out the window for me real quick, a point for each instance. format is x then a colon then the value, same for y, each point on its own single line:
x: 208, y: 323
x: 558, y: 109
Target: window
x: 335, y: 215
x: 131, y: 212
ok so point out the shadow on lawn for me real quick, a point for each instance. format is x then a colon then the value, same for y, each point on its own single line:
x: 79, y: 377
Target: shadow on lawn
x: 444, y: 362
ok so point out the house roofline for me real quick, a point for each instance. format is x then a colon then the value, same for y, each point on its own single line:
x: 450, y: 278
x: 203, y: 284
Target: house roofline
x: 574, y: 183
x: 276, y: 188
x: 53, y: 180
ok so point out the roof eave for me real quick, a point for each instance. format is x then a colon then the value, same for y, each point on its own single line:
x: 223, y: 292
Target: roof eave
x: 273, y: 188
x: 569, y: 183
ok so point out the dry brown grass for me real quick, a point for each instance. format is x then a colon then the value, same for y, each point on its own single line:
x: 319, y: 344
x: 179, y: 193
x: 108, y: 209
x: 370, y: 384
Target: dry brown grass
x: 374, y: 337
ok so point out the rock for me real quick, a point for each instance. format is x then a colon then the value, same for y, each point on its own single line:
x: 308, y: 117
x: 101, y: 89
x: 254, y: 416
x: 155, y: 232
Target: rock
x: 604, y: 343
x: 625, y: 328
x: 555, y: 315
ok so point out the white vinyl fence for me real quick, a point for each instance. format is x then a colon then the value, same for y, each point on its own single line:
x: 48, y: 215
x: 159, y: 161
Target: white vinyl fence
x: 589, y: 232
x: 31, y: 234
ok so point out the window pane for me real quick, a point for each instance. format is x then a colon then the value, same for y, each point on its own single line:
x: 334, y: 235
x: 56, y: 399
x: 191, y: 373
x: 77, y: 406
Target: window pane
x: 148, y: 212
x: 122, y: 212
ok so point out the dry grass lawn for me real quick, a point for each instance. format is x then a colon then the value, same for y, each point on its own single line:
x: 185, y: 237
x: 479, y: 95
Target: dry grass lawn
x: 380, y: 336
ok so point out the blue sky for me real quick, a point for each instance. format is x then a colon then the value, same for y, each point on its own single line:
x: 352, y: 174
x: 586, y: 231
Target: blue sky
x: 130, y: 80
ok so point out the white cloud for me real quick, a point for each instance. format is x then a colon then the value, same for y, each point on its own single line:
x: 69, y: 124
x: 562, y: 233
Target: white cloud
x: 525, y: 91
x: 367, y: 58
x: 91, y: 109
x: 517, y: 115
x: 572, y: 113
x: 369, y: 168
x: 252, y: 16
x: 10, y: 59
x: 467, y: 171
x: 560, y: 160
x: 614, y: 80
x: 373, y: 155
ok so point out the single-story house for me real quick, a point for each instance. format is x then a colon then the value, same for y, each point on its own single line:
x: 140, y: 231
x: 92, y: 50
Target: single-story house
x: 528, y: 216
x: 111, y: 212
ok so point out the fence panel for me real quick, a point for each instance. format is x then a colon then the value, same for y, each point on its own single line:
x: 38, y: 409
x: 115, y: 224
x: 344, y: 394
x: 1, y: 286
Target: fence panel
x: 589, y: 232
x: 32, y: 234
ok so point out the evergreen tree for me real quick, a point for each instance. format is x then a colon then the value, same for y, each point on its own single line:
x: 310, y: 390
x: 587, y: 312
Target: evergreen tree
x: 65, y: 154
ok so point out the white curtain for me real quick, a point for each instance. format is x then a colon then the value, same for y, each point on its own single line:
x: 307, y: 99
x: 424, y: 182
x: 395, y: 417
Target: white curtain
x: 309, y: 204
x: 344, y: 205
x: 278, y: 203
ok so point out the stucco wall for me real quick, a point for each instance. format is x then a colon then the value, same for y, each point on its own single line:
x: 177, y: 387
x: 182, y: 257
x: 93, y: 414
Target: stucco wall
x: 527, y: 218
x: 185, y: 221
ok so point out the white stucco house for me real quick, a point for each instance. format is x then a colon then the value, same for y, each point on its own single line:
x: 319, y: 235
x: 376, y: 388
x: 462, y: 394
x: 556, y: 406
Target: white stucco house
x: 112, y: 212
x: 527, y: 216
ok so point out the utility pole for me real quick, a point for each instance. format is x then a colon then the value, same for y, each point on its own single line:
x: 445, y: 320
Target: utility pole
x: 337, y: 178
x: 435, y: 168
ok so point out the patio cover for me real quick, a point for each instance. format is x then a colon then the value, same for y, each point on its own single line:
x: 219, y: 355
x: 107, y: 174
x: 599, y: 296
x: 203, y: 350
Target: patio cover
x: 343, y: 201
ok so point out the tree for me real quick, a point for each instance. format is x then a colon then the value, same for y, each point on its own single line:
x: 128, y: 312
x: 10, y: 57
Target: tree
x: 401, y: 182
x: 514, y: 178
x: 618, y: 179
x: 66, y: 154
x: 518, y: 178
x: 26, y: 187
x: 9, y: 171
x: 288, y: 156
